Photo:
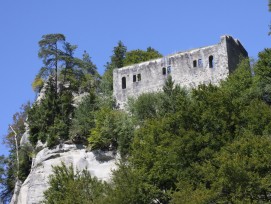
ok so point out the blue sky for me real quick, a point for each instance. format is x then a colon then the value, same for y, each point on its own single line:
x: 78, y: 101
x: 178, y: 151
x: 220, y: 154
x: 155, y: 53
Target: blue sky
x: 96, y: 26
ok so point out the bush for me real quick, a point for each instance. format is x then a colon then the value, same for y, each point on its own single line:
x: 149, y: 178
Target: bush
x: 113, y: 129
x: 73, y: 187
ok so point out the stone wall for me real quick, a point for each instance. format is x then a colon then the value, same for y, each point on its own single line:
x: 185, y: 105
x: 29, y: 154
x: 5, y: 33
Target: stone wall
x: 235, y: 52
x: 204, y: 65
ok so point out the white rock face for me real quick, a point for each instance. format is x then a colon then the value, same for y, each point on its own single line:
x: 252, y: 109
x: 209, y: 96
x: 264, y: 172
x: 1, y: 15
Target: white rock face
x: 98, y: 163
x: 24, y: 140
x: 78, y: 98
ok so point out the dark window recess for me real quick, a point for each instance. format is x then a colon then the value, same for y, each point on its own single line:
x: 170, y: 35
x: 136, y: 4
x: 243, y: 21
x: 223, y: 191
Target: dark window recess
x: 200, y: 63
x: 211, y: 61
x: 139, y: 77
x: 123, y: 82
x: 195, y: 63
x: 164, y: 71
x: 134, y: 78
x: 169, y: 69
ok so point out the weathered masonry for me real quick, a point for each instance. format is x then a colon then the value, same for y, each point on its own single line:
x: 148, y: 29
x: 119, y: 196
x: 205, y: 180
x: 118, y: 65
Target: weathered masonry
x: 204, y: 65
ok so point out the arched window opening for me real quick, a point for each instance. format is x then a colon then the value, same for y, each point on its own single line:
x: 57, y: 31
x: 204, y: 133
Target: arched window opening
x: 195, y: 63
x: 164, y: 71
x: 123, y: 82
x: 211, y: 61
x: 139, y: 77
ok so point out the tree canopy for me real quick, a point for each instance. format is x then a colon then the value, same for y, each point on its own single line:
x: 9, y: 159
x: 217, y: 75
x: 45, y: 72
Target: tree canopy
x: 210, y: 144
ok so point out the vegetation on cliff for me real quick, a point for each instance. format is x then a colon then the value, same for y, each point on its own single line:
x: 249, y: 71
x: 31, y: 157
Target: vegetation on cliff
x: 56, y: 117
x: 208, y: 145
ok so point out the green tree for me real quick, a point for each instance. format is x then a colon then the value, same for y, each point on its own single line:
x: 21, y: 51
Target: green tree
x: 5, y: 190
x: 41, y: 115
x: 25, y: 158
x: 112, y: 129
x: 171, y: 98
x: 2, y: 172
x: 128, y: 187
x: 187, y: 193
x: 50, y: 54
x: 84, y: 116
x: 68, y: 72
x: 18, y: 124
x: 239, y: 173
x: 11, y: 166
x: 263, y: 75
x: 146, y: 106
x: 89, y: 76
x: 2, y: 168
x: 156, y: 156
x: 73, y: 187
x: 37, y: 84
x: 137, y: 56
x: 50, y: 119
x: 117, y: 60
x: 88, y: 67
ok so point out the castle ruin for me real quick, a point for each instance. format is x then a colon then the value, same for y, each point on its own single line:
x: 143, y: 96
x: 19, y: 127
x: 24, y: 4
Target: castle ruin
x: 204, y: 65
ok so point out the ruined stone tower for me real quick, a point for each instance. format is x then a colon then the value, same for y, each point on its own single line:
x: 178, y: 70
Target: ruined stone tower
x: 209, y: 64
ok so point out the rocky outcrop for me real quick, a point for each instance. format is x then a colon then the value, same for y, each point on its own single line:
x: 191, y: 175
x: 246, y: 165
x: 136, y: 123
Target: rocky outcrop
x: 98, y: 163
x: 25, y: 137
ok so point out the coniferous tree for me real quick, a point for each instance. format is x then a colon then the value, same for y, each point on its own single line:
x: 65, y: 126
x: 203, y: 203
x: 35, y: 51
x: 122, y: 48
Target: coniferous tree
x: 88, y: 74
x: 88, y: 66
x: 68, y: 63
x: 50, y: 54
x: 117, y: 61
x: 83, y: 119
x: 2, y: 177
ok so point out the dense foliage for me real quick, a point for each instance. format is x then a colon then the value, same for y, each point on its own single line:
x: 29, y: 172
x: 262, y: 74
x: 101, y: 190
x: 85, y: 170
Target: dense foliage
x: 137, y: 56
x: 61, y: 113
x: 68, y: 186
x: 10, y: 170
x: 210, y: 144
x: 50, y: 118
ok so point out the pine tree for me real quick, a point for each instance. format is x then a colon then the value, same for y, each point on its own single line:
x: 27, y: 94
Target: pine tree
x: 50, y: 54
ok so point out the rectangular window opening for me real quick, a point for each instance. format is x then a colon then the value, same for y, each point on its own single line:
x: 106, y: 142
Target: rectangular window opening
x: 139, y: 77
x: 195, y: 63
x: 169, y: 69
x: 134, y: 78
x: 200, y: 63
x: 164, y: 71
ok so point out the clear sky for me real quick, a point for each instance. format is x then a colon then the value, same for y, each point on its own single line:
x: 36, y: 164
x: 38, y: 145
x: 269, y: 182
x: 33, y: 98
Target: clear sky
x: 97, y: 25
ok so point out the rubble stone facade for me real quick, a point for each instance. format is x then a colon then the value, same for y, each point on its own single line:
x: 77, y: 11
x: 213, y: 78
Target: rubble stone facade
x: 204, y: 65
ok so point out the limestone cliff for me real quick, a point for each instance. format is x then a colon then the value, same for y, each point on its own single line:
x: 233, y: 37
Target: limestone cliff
x: 98, y: 163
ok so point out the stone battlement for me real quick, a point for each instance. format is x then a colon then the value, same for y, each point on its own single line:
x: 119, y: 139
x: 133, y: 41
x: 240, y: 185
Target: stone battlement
x: 209, y: 64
